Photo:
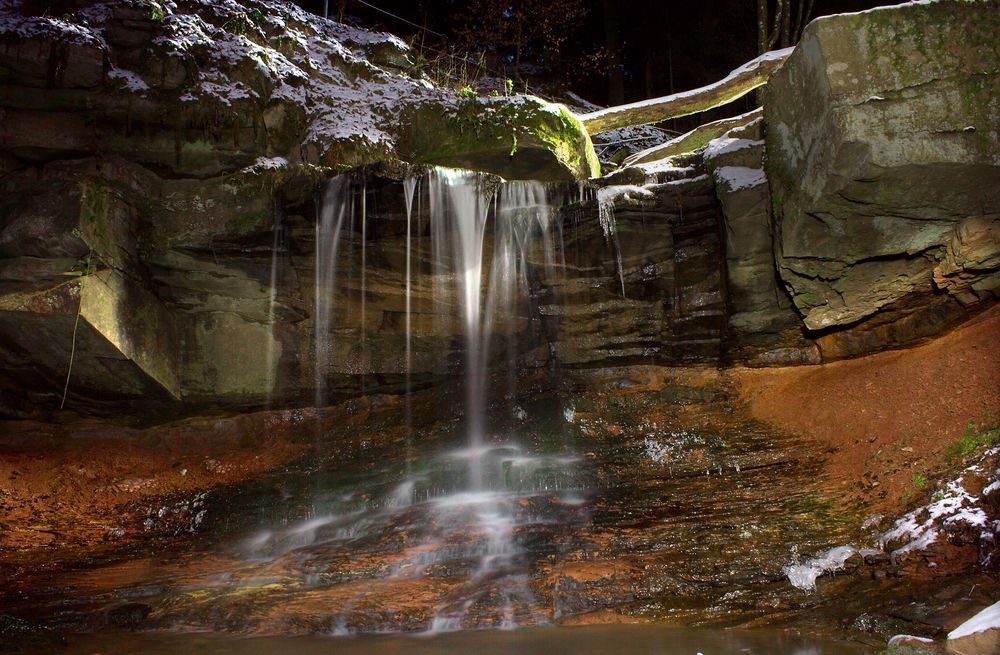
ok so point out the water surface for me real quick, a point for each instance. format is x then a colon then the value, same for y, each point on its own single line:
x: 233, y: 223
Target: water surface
x: 620, y: 639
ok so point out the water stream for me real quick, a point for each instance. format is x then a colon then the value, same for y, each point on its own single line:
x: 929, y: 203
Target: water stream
x: 469, y: 497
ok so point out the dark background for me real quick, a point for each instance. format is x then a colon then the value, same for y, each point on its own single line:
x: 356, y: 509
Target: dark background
x: 665, y: 45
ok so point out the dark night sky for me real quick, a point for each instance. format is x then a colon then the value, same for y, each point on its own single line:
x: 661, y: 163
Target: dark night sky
x: 667, y: 45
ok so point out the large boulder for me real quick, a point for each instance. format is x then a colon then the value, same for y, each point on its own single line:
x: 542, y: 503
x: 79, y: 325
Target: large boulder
x: 883, y: 154
x: 980, y: 635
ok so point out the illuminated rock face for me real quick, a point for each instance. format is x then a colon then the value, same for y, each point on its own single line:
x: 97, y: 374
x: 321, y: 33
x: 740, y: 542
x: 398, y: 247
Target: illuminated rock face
x: 884, y: 164
x: 165, y: 190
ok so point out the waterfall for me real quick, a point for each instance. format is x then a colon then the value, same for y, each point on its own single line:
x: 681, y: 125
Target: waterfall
x: 409, y: 190
x: 272, y: 302
x: 470, y: 495
x: 460, y: 202
x: 335, y: 208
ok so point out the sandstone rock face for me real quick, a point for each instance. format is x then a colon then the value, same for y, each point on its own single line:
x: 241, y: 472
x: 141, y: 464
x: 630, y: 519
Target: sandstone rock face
x: 762, y: 327
x: 149, y: 155
x: 160, y: 174
x: 883, y: 158
x: 663, y: 303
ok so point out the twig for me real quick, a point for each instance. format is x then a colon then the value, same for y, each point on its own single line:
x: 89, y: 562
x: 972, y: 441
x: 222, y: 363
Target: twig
x: 76, y: 326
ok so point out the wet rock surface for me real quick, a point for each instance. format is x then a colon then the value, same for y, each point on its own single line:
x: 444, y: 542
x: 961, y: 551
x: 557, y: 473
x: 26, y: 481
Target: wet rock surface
x: 637, y: 500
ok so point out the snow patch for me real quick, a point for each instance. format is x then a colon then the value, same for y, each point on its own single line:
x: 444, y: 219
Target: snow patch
x: 47, y: 28
x: 129, y: 80
x: 803, y: 576
x: 723, y: 145
x: 737, y: 178
x: 897, y: 639
x: 988, y: 619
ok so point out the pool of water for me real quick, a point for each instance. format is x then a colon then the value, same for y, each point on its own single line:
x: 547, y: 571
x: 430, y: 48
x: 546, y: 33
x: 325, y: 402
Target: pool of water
x: 621, y: 640
x: 591, y: 508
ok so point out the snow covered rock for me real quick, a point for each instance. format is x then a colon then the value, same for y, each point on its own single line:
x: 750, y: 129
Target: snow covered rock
x: 205, y: 88
x: 881, y: 205
x: 958, y: 528
x: 980, y: 635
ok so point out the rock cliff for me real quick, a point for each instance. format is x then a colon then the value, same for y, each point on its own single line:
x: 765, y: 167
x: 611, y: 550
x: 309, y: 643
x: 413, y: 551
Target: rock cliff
x: 160, y: 165
x: 883, y: 141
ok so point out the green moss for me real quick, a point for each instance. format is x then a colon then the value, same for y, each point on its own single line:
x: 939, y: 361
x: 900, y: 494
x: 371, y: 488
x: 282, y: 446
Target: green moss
x: 156, y: 11
x: 479, y: 133
x: 247, y: 222
x: 94, y: 222
x: 976, y: 437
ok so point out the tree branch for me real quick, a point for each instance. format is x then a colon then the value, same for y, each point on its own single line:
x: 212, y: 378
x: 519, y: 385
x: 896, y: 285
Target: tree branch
x: 691, y: 141
x: 741, y: 81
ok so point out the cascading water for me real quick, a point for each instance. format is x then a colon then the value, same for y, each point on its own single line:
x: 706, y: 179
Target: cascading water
x: 272, y: 301
x: 335, y: 209
x: 463, y: 203
x: 464, y: 508
x: 409, y: 190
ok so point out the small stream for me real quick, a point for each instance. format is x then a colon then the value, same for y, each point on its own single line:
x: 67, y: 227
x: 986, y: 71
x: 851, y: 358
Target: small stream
x: 596, y: 640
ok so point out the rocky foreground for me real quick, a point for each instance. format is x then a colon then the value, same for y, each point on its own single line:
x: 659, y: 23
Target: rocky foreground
x: 160, y: 165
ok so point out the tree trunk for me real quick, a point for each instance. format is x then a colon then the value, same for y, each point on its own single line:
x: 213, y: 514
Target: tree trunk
x: 786, y: 23
x: 741, y: 81
x: 802, y: 19
x: 762, y: 31
x: 612, y: 42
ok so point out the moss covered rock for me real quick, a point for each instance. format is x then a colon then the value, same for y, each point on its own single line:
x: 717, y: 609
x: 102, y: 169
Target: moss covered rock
x: 517, y: 138
x: 883, y: 141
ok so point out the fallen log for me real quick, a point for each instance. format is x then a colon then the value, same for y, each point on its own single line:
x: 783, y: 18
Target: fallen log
x: 691, y: 141
x: 737, y: 84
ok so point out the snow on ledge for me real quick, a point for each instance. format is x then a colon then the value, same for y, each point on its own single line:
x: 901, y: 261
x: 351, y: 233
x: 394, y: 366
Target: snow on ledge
x: 988, y: 619
x: 737, y: 178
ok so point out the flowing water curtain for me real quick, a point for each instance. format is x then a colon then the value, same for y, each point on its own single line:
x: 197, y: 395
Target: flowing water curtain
x: 460, y: 202
x: 334, y: 211
x: 469, y: 500
x: 278, y: 246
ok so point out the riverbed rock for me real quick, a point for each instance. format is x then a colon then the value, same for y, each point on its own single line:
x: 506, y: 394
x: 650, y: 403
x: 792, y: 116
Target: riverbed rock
x: 981, y: 643
x: 884, y: 165
x: 902, y: 644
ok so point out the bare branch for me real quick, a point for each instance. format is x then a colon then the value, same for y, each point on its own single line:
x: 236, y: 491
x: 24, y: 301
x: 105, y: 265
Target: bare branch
x: 741, y: 81
x: 691, y: 141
